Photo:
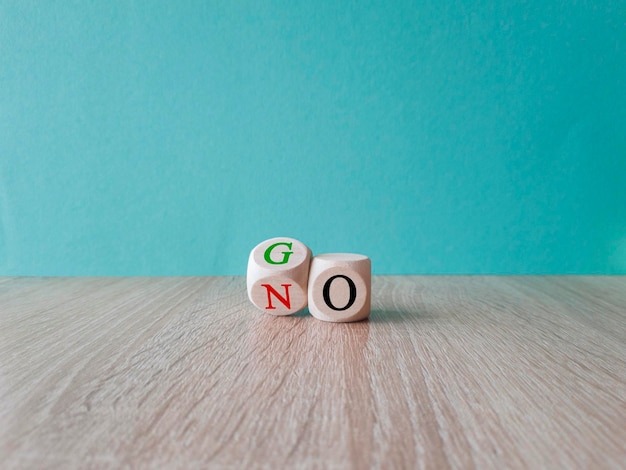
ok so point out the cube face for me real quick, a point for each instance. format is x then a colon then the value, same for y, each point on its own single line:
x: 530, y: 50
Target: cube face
x: 280, y: 254
x: 277, y: 276
x: 278, y: 295
x: 340, y: 287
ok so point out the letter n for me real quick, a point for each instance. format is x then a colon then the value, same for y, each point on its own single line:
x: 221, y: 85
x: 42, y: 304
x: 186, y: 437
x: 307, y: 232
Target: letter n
x: 283, y: 300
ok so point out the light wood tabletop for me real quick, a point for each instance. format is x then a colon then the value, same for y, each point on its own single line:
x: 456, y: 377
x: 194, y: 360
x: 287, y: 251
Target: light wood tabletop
x: 460, y: 372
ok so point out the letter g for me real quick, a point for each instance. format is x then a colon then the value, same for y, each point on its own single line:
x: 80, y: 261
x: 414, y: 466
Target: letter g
x: 286, y: 254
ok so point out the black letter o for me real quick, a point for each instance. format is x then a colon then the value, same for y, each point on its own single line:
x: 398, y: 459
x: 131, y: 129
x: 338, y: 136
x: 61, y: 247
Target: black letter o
x: 326, y: 292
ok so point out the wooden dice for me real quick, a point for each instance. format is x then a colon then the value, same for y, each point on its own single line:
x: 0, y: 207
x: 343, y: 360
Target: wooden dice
x: 340, y: 287
x: 277, y: 278
x: 282, y: 279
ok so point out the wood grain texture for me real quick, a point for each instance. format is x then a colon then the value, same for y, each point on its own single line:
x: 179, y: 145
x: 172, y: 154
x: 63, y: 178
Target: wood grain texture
x: 449, y: 372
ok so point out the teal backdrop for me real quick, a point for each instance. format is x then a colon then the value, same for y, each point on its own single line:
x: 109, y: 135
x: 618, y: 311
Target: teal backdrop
x: 168, y: 138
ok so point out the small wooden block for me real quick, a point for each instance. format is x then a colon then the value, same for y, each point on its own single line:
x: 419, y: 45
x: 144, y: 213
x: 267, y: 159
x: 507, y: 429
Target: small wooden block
x: 340, y: 287
x: 278, y: 274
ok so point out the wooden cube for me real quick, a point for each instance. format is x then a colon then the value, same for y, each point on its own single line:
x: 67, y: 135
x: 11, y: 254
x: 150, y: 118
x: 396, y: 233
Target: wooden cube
x: 340, y: 287
x: 277, y: 277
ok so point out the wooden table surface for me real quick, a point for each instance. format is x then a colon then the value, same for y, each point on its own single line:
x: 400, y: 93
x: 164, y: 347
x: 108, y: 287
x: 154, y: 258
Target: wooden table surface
x: 462, y: 372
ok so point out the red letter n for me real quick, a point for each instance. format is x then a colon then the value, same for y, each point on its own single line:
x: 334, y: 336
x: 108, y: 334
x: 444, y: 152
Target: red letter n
x: 283, y: 300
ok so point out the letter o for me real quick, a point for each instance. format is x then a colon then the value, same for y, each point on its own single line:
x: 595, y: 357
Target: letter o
x: 326, y: 292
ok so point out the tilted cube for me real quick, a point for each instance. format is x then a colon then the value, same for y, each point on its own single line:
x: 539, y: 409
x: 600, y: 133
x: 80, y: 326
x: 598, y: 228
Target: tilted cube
x: 277, y: 276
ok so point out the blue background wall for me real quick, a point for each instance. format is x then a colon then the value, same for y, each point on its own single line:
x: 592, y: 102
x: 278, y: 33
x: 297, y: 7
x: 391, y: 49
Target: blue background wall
x: 146, y: 137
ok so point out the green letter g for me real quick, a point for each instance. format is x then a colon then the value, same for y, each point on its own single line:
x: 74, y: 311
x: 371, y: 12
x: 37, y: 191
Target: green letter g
x: 286, y: 254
